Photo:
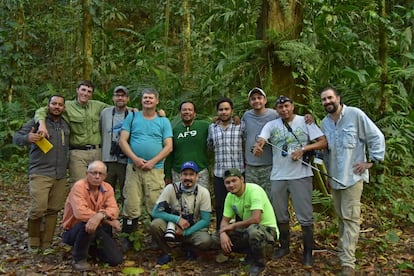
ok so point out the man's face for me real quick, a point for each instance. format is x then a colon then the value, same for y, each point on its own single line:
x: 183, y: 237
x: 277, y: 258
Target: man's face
x: 285, y: 110
x: 149, y: 100
x: 187, y: 113
x: 330, y: 101
x: 224, y: 112
x: 96, y: 175
x: 84, y: 94
x: 257, y: 101
x: 188, y: 178
x: 56, y: 106
x: 120, y: 99
x: 234, y: 185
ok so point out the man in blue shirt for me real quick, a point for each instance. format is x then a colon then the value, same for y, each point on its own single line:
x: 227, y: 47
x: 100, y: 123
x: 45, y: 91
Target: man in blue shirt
x: 349, y: 131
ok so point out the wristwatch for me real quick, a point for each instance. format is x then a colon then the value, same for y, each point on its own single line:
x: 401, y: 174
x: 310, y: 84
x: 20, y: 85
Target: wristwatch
x: 104, y: 215
x: 303, y: 149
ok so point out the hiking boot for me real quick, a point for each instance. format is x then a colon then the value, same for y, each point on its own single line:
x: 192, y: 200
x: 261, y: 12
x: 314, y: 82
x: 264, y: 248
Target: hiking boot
x: 81, y: 265
x: 347, y: 271
x: 255, y: 270
x: 190, y: 255
x: 163, y: 259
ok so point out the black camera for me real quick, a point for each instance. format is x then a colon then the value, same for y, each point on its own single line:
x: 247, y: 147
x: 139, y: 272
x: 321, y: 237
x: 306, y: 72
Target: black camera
x: 115, y: 149
x: 285, y: 150
x: 307, y: 156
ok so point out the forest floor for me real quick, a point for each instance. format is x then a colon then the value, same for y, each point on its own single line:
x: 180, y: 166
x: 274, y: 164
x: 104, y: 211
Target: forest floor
x: 380, y: 252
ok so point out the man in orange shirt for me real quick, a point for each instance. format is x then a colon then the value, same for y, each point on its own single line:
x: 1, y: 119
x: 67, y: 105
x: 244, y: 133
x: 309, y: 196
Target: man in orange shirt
x: 90, y: 214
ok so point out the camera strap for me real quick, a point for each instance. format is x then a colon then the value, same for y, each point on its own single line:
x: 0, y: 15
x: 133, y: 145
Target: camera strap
x: 179, y: 193
x: 289, y: 128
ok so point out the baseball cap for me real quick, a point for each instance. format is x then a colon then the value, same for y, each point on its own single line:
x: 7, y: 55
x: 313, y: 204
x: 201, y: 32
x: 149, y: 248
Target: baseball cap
x: 232, y: 172
x: 189, y: 165
x: 257, y: 90
x: 120, y: 87
x: 283, y: 99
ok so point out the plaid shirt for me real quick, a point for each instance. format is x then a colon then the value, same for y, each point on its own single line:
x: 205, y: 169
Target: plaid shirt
x: 228, y: 148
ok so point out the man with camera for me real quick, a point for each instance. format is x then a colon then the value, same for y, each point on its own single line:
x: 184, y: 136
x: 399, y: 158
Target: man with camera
x: 290, y: 138
x: 111, y: 120
x: 182, y: 213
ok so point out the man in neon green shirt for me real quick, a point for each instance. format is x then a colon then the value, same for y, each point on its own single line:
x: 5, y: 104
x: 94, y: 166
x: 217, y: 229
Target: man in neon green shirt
x: 255, y: 224
x: 82, y: 116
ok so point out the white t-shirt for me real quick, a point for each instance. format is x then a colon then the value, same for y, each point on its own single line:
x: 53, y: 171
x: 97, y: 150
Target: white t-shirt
x: 275, y: 132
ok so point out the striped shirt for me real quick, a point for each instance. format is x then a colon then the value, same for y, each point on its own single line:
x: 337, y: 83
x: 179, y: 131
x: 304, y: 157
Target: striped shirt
x: 228, y: 149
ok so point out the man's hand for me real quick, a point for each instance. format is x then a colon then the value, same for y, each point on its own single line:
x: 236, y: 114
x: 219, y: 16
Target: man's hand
x: 167, y: 181
x: 94, y: 222
x: 42, y: 130
x: 309, y: 119
x: 148, y: 165
x: 225, y: 242
x: 359, y: 168
x: 116, y: 224
x: 33, y: 136
x: 183, y: 223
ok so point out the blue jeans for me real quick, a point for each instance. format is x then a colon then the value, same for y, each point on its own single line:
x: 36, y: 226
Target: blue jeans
x: 99, y: 244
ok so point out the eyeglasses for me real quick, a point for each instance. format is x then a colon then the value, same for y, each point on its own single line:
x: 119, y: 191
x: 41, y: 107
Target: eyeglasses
x: 100, y: 174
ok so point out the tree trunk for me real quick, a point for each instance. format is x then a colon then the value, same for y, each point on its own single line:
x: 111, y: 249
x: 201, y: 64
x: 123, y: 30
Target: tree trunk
x: 283, y: 19
x: 383, y: 54
x: 87, y: 39
x: 186, y: 41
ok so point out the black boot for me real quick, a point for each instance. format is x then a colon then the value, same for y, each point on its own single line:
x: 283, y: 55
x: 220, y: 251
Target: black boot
x: 284, y: 241
x: 128, y: 226
x: 307, y: 232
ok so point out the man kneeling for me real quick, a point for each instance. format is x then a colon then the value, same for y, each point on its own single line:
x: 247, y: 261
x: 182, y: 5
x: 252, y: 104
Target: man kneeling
x: 90, y: 214
x: 182, y: 214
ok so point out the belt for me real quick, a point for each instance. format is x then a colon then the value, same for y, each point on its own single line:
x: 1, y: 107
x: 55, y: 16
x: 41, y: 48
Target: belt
x: 85, y: 147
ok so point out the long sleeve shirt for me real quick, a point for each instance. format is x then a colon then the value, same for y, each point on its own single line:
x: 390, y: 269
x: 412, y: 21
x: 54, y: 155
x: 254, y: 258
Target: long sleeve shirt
x: 53, y: 163
x: 347, y: 142
x: 81, y: 205
x: 83, y: 121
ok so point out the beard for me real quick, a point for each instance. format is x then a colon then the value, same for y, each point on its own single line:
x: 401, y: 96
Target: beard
x: 331, y: 108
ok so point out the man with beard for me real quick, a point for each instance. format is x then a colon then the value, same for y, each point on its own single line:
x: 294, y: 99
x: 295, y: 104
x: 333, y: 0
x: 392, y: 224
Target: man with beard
x: 111, y: 120
x: 182, y: 213
x: 47, y: 173
x: 82, y: 115
x: 291, y: 138
x: 349, y: 132
x: 189, y: 143
x: 226, y: 138
x: 146, y: 139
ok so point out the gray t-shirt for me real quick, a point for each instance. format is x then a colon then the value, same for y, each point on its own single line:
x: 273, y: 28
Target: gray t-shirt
x: 111, y: 124
x: 253, y: 124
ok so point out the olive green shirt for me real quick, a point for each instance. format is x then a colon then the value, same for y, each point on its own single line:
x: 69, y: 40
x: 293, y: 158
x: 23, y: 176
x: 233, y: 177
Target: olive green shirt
x: 83, y: 121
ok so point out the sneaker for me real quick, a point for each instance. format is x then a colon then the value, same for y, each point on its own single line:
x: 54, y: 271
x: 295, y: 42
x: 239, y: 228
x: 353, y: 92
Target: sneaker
x: 190, y: 255
x: 163, y: 259
x: 255, y: 270
x: 347, y: 271
x: 81, y: 265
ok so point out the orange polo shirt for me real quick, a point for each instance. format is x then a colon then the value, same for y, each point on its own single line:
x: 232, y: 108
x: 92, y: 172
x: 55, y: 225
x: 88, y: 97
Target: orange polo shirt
x: 80, y: 204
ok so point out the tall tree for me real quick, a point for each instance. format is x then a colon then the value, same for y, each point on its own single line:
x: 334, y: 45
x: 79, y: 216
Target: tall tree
x: 87, y: 39
x: 280, y: 20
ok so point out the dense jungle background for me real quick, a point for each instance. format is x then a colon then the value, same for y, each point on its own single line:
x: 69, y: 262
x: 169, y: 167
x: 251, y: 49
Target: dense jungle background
x: 202, y: 50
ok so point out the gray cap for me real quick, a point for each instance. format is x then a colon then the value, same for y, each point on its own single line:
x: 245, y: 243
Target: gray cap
x: 257, y: 90
x: 122, y: 88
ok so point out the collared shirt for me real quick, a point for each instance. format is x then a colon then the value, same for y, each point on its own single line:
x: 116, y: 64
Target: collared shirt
x: 228, y: 147
x: 81, y: 205
x: 83, y: 121
x: 347, y: 141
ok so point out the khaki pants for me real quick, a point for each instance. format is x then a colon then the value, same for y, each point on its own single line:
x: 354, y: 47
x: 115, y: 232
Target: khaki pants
x: 47, y: 195
x: 141, y: 187
x: 347, y: 205
x: 79, y: 161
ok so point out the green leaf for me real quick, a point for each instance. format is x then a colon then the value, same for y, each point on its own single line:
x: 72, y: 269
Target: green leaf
x: 133, y: 270
x: 392, y: 237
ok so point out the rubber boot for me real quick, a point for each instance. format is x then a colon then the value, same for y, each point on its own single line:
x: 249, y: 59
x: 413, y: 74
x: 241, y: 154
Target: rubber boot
x: 308, y: 243
x: 128, y: 226
x: 33, y: 229
x: 48, y: 232
x: 284, y: 241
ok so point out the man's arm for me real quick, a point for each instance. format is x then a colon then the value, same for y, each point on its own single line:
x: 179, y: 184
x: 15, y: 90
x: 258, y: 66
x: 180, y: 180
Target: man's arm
x: 258, y: 147
x: 255, y: 218
x: 26, y: 135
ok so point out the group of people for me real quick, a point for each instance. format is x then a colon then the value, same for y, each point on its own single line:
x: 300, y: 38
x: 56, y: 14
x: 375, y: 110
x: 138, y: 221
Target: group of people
x: 259, y: 162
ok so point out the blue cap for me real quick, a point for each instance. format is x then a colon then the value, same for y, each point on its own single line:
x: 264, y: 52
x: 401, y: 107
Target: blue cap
x: 189, y: 165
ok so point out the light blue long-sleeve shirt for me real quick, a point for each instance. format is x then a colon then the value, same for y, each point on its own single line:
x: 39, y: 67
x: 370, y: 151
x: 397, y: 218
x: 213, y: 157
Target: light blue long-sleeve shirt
x: 347, y: 142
